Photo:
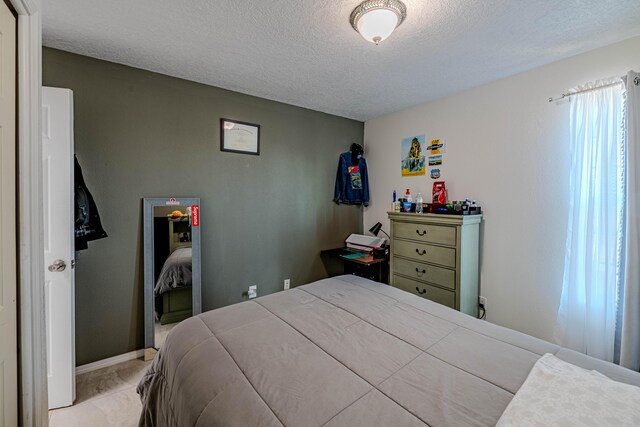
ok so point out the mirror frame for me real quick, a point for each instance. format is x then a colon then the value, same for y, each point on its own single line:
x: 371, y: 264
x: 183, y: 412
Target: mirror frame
x: 149, y: 267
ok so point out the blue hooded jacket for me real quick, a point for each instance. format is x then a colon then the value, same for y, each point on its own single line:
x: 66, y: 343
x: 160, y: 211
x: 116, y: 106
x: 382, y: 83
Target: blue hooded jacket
x: 352, y: 183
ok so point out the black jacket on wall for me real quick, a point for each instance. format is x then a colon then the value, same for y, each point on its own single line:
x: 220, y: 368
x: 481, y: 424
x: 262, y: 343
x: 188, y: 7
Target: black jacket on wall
x: 87, y: 220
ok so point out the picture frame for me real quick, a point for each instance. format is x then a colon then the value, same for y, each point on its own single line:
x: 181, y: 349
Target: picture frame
x: 239, y: 137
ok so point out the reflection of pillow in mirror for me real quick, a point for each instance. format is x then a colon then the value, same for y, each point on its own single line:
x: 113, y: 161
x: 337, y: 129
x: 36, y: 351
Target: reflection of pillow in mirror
x: 182, y: 246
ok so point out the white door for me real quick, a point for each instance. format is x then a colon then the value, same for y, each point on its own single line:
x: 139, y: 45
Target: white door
x: 8, y: 282
x: 57, y: 172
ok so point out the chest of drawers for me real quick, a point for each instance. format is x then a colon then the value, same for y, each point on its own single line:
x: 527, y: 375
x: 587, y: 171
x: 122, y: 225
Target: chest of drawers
x: 436, y: 257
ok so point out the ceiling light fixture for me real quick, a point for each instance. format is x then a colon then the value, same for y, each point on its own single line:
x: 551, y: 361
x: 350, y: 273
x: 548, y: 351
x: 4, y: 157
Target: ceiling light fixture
x: 375, y: 20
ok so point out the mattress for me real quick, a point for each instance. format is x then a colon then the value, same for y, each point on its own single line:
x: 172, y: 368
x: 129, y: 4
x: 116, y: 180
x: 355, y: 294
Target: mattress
x: 176, y: 271
x: 343, y: 351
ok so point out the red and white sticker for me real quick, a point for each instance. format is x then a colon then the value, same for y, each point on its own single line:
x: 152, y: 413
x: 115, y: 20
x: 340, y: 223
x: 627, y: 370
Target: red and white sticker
x: 195, y: 215
x: 172, y: 202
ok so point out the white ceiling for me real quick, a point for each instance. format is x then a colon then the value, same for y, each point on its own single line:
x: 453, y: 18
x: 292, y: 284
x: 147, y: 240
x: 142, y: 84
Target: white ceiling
x: 305, y: 53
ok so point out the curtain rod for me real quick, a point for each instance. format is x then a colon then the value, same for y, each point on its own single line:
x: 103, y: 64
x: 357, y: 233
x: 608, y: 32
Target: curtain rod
x: 568, y: 94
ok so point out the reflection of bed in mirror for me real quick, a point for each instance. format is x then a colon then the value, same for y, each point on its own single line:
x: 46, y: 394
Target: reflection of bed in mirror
x: 173, y: 287
x: 173, y: 259
x: 172, y: 266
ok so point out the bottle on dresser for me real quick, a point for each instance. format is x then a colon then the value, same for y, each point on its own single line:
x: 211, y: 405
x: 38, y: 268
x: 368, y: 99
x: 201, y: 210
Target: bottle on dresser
x: 419, y: 202
x: 408, y: 201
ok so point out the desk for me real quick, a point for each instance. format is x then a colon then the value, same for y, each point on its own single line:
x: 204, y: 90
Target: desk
x: 365, y: 266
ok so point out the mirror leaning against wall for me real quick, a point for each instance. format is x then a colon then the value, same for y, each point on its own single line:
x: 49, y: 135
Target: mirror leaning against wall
x: 172, y: 259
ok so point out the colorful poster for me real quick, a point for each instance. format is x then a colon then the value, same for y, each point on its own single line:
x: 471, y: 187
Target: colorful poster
x: 413, y: 156
x: 435, y: 147
x: 435, y: 160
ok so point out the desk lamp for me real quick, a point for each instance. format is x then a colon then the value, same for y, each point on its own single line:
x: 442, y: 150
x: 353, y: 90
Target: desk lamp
x: 377, y: 229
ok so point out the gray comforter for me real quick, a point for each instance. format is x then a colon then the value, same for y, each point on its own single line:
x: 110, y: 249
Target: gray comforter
x: 176, y: 271
x: 343, y: 351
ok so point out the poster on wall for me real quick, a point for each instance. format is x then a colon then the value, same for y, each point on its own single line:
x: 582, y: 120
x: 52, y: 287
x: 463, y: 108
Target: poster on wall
x: 413, y: 156
x: 435, y: 147
x: 435, y: 173
x: 435, y: 160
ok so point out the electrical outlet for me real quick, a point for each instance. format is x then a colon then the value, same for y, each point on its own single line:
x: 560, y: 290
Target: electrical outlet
x: 287, y: 284
x: 253, y: 291
x: 483, y: 301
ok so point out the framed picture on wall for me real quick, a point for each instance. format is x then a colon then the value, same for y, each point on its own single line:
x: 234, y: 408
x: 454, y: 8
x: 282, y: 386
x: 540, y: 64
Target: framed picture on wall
x: 239, y: 137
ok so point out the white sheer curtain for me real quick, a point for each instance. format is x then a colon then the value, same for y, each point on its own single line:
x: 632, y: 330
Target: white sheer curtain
x: 586, y: 319
x: 630, y: 335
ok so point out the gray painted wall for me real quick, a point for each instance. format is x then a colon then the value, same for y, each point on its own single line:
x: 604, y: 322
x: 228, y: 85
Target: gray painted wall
x: 264, y: 218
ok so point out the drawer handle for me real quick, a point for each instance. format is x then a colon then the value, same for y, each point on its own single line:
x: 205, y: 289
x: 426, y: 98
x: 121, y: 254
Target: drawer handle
x: 421, y: 292
x: 420, y: 273
x: 421, y: 234
x: 424, y: 251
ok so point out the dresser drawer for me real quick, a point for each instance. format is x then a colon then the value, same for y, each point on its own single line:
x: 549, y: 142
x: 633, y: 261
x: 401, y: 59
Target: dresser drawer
x: 425, y: 253
x: 441, y: 296
x: 425, y: 233
x: 425, y: 272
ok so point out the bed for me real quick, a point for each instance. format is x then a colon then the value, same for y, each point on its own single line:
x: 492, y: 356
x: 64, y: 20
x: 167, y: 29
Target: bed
x: 174, y: 286
x: 343, y: 351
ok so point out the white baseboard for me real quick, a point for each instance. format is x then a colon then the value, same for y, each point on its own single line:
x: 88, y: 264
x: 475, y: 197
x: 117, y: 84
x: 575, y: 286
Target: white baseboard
x: 94, y: 366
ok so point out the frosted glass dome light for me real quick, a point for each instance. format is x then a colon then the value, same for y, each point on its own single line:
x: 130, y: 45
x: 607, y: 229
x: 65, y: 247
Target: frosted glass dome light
x: 375, y: 20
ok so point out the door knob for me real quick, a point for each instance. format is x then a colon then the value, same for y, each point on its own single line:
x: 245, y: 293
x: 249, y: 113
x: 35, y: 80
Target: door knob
x: 57, y: 266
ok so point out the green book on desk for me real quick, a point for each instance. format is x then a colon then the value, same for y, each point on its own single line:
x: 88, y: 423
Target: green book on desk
x: 354, y: 255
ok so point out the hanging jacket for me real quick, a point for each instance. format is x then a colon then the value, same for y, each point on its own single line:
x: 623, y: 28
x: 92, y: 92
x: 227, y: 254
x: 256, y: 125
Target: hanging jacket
x: 352, y: 182
x: 87, y: 220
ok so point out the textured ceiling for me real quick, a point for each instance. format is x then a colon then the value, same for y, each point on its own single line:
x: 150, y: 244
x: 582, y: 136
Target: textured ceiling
x: 305, y: 53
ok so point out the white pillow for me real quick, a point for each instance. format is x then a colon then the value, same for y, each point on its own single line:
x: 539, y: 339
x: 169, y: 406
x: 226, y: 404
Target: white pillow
x: 557, y: 393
